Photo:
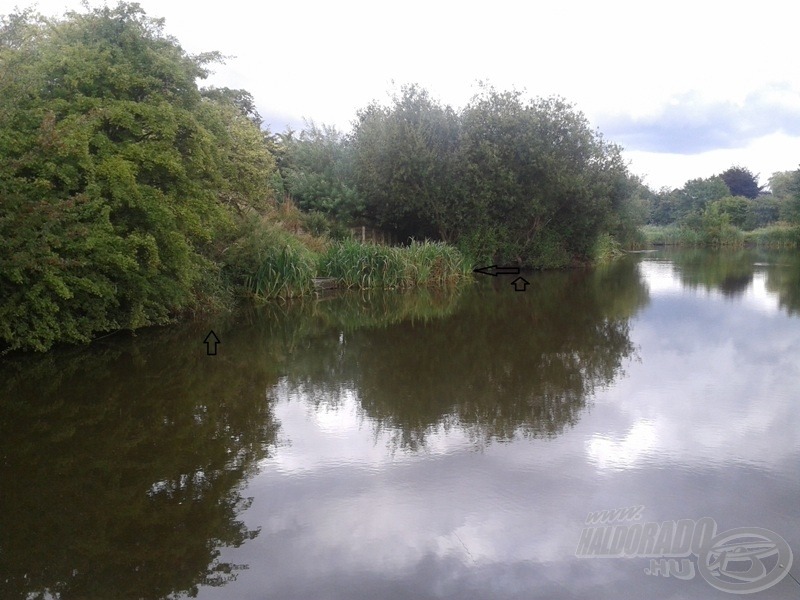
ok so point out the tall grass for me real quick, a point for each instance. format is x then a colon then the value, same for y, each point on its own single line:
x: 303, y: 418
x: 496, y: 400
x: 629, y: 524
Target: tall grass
x: 606, y: 249
x: 283, y: 272
x: 356, y: 265
x: 676, y: 235
x: 268, y: 262
x: 778, y: 236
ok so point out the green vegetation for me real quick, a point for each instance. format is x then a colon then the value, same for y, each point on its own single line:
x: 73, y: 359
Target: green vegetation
x: 730, y: 209
x: 778, y: 236
x: 505, y: 179
x: 132, y: 197
x: 119, y: 176
x: 356, y: 265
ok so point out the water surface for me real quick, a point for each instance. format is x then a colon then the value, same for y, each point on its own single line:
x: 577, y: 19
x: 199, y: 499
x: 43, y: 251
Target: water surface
x: 425, y: 445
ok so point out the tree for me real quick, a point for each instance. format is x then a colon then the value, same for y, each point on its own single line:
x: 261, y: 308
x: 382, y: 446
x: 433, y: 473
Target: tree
x: 735, y: 207
x: 506, y: 179
x: 790, y: 200
x: 404, y: 159
x: 541, y: 185
x: 317, y: 169
x: 781, y: 183
x: 117, y: 174
x: 741, y: 182
x: 696, y: 194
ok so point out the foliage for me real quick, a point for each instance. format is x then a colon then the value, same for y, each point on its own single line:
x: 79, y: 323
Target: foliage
x: 741, y: 182
x: 783, y: 184
x: 317, y: 172
x: 789, y: 187
x: 716, y: 228
x: 405, y: 161
x: 266, y: 261
x: 356, y: 265
x: 117, y: 175
x: 707, y: 207
x: 780, y: 235
x: 504, y: 178
x: 671, y: 235
x: 606, y: 249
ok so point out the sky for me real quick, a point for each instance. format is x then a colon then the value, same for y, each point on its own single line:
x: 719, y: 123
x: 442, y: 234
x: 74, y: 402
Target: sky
x: 687, y: 88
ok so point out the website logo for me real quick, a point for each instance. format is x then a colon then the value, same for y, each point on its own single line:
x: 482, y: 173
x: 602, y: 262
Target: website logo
x: 739, y: 561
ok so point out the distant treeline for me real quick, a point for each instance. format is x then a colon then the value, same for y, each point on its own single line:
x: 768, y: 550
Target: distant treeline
x: 717, y: 210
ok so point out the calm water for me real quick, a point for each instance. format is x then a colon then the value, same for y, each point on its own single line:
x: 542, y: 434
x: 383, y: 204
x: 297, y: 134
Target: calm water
x: 418, y: 445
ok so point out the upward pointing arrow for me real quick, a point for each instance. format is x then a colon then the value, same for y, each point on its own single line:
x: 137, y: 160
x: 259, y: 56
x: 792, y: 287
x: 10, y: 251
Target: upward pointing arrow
x: 520, y: 283
x: 211, y: 342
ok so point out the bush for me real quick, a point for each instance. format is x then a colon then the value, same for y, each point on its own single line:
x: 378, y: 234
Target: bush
x: 356, y: 265
x: 117, y: 175
x: 268, y: 262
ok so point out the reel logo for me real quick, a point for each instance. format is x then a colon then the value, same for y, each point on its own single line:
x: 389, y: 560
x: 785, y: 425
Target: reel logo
x: 739, y: 561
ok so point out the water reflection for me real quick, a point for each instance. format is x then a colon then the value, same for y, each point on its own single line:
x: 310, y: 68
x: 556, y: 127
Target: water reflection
x: 729, y: 271
x: 503, y: 364
x: 122, y: 467
x: 736, y: 272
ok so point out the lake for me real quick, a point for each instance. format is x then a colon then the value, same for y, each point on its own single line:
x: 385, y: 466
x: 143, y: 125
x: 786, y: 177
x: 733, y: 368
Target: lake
x: 451, y: 444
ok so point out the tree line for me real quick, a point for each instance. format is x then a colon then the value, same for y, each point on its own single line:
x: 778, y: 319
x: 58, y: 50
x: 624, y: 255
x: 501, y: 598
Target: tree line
x: 505, y: 178
x: 733, y: 197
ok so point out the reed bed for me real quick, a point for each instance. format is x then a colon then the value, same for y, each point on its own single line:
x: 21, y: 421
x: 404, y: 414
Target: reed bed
x: 778, y: 236
x: 364, y: 266
x: 268, y: 262
x: 284, y: 272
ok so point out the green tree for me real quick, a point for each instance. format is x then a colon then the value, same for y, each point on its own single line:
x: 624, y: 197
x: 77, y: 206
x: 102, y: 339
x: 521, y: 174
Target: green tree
x: 541, y: 185
x: 741, y: 182
x: 735, y: 207
x: 781, y: 183
x: 317, y: 169
x: 404, y: 158
x: 785, y: 186
x: 696, y: 194
x: 116, y: 175
x: 664, y: 207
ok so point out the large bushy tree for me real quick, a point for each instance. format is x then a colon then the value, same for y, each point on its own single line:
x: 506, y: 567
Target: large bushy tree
x: 317, y: 171
x: 741, y: 182
x: 405, y: 164
x: 506, y: 178
x: 115, y: 174
x: 540, y: 182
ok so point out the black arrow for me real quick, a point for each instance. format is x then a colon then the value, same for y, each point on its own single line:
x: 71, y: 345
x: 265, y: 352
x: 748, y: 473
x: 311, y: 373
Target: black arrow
x: 211, y: 342
x: 520, y: 283
x: 497, y: 270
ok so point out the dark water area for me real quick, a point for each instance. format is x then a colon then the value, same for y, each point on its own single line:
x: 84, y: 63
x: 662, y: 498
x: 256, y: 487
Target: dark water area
x: 444, y: 444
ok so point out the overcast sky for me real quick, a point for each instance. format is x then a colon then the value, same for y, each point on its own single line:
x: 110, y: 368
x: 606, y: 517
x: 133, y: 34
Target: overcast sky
x: 688, y: 88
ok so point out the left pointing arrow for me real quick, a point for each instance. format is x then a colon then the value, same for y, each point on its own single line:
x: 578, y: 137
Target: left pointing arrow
x: 211, y: 342
x: 494, y: 270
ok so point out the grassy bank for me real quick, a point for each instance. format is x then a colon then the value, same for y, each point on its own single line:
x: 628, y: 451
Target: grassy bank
x: 780, y: 235
x: 678, y: 235
x: 269, y: 261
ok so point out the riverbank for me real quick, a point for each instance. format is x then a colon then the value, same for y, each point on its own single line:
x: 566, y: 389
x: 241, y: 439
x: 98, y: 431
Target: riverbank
x: 777, y: 236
